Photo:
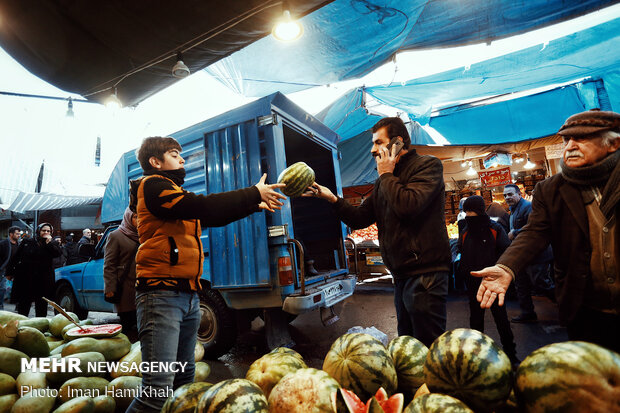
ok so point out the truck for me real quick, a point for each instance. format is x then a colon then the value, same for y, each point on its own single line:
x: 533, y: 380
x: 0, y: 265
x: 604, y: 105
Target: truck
x: 255, y: 266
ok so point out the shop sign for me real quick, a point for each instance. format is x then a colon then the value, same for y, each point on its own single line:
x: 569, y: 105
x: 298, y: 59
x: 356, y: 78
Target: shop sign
x: 554, y: 151
x: 497, y: 177
x: 497, y: 158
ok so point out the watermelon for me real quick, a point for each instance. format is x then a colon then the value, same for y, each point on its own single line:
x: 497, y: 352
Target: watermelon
x: 286, y: 350
x: 185, y: 398
x: 297, y: 177
x: 573, y: 376
x: 233, y: 396
x: 470, y: 366
x: 268, y: 370
x: 304, y: 391
x: 379, y: 403
x: 103, y: 330
x: 361, y: 363
x: 437, y: 403
x: 409, y: 355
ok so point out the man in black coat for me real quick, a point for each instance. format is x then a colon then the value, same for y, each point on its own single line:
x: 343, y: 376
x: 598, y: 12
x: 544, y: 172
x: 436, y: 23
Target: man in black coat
x: 408, y: 204
x: 8, y: 248
x: 577, y: 211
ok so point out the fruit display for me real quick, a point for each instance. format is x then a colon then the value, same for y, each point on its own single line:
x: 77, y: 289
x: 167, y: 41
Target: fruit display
x: 463, y: 371
x: 453, y: 230
x: 297, y: 177
x: 369, y: 233
x: 469, y: 366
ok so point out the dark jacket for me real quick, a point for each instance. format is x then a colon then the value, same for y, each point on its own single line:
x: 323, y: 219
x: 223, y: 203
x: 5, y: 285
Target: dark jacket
x: 7, y: 250
x: 32, y: 270
x: 519, y: 214
x: 85, y: 240
x: 119, y: 267
x: 71, y: 249
x: 408, y: 207
x: 558, y: 217
x: 481, y: 242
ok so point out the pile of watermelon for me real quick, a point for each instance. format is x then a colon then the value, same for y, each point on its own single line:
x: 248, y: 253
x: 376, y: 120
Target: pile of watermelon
x: 57, y: 338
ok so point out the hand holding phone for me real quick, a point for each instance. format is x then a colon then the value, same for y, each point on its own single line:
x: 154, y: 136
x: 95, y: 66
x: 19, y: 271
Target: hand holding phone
x: 397, y: 143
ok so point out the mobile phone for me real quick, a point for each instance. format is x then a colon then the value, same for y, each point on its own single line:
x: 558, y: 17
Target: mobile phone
x: 395, y: 142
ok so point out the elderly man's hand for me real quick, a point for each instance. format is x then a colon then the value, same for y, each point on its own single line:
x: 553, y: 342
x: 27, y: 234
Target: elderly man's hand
x: 494, y: 284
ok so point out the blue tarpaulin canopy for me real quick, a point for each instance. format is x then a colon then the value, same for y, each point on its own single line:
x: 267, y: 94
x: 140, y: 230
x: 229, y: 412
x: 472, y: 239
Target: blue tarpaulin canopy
x: 349, y: 38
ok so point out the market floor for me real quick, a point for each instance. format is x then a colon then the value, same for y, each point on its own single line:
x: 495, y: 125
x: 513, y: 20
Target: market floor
x: 370, y: 306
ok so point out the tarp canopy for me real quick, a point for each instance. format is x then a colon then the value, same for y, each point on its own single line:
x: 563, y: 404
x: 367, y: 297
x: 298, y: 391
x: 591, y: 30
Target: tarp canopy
x: 43, y: 202
x: 349, y: 38
x: 90, y: 47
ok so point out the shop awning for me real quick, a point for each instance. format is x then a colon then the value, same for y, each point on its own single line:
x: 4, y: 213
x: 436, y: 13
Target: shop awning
x: 41, y: 202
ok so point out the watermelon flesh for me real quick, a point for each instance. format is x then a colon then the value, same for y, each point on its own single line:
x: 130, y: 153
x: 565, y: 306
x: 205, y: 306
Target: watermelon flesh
x: 103, y: 330
x: 379, y: 403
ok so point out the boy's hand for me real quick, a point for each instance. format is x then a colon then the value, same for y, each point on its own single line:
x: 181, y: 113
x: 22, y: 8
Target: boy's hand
x: 319, y: 191
x: 269, y: 196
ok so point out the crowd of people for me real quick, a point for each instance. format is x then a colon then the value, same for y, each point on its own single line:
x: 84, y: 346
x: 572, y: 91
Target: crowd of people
x: 571, y: 223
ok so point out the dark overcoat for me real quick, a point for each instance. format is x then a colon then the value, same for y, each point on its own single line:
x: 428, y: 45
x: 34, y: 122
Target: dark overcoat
x: 119, y: 266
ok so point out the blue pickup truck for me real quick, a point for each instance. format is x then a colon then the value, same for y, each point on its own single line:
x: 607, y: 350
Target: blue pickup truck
x: 255, y: 266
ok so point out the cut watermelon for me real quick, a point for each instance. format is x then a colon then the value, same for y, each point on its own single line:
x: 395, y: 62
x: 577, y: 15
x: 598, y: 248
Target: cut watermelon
x: 353, y: 403
x: 380, y: 403
x: 394, y: 404
x: 103, y: 330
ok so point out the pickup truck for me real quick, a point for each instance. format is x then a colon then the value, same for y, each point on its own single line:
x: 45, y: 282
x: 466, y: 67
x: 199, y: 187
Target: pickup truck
x: 257, y: 265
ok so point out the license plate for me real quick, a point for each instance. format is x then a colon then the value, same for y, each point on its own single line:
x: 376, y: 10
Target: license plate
x: 332, y: 290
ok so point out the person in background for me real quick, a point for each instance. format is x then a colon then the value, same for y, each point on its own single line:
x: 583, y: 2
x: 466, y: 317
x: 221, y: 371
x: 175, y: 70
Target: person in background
x: 498, y: 214
x: 71, y: 251
x: 537, y: 274
x: 408, y: 205
x: 577, y: 211
x: 86, y: 237
x: 170, y: 258
x: 119, y: 271
x: 32, y: 272
x: 8, y: 248
x: 62, y: 259
x: 481, y: 243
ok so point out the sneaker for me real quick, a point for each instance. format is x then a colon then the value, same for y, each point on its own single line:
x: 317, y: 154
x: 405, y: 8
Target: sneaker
x: 525, y: 318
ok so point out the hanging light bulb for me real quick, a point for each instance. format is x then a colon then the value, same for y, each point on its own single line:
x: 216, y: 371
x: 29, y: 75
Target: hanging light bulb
x: 471, y: 171
x: 70, y: 113
x: 529, y: 164
x: 113, y: 101
x: 287, y: 29
x: 180, y: 70
x: 464, y: 164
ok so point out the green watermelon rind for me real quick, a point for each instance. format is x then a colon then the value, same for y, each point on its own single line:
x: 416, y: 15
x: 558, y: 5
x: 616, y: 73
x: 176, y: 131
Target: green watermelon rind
x: 409, y: 355
x: 231, y: 396
x: 297, y: 178
x: 471, y: 367
x: 77, y: 332
x: 368, y: 365
x: 437, y: 403
x: 572, y: 376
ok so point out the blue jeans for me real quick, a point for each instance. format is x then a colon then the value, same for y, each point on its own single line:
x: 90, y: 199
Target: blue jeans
x: 168, y: 324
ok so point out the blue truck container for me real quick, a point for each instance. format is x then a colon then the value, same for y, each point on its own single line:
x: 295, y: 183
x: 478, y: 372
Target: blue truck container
x: 256, y: 265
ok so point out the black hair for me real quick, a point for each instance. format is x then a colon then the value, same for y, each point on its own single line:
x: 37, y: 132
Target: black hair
x: 395, y: 127
x: 513, y: 186
x: 14, y: 229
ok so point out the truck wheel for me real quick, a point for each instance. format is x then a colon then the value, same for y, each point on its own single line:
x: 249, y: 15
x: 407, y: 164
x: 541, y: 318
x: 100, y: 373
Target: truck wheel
x: 66, y: 299
x: 218, y: 330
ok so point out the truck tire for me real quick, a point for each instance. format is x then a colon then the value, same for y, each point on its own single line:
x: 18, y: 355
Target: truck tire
x: 66, y: 299
x: 218, y: 329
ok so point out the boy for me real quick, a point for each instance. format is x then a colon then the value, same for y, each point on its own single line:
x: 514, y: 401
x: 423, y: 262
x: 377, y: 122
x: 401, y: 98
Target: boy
x: 170, y: 257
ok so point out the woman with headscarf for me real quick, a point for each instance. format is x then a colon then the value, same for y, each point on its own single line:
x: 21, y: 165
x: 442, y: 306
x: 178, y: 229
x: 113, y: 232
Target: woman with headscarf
x: 32, y: 271
x: 119, y: 270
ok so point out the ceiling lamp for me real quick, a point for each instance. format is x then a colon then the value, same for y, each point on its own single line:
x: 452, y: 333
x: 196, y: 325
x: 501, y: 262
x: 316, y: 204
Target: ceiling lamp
x: 471, y: 171
x: 180, y: 70
x: 113, y: 101
x: 529, y: 164
x: 70, y: 113
x: 287, y: 29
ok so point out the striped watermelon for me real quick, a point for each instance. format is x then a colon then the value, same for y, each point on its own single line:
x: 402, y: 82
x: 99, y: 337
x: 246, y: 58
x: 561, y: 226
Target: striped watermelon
x: 287, y: 350
x: 409, y: 355
x: 185, y: 398
x: 468, y: 365
x: 361, y: 363
x: 304, y: 391
x: 268, y: 370
x: 233, y: 396
x: 573, y: 376
x: 297, y: 177
x: 437, y: 403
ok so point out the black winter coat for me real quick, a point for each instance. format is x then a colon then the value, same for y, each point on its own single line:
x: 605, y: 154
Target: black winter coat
x: 32, y: 270
x: 481, y: 242
x: 408, y: 207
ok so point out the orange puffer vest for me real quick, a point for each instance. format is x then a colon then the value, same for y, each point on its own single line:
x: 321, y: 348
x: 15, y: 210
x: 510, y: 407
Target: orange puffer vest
x: 170, y: 254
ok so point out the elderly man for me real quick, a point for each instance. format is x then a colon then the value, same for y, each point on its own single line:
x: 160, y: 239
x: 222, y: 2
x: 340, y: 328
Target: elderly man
x: 577, y: 212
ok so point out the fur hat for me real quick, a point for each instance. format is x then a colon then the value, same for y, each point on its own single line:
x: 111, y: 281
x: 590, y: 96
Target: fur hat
x: 476, y: 204
x: 591, y: 121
